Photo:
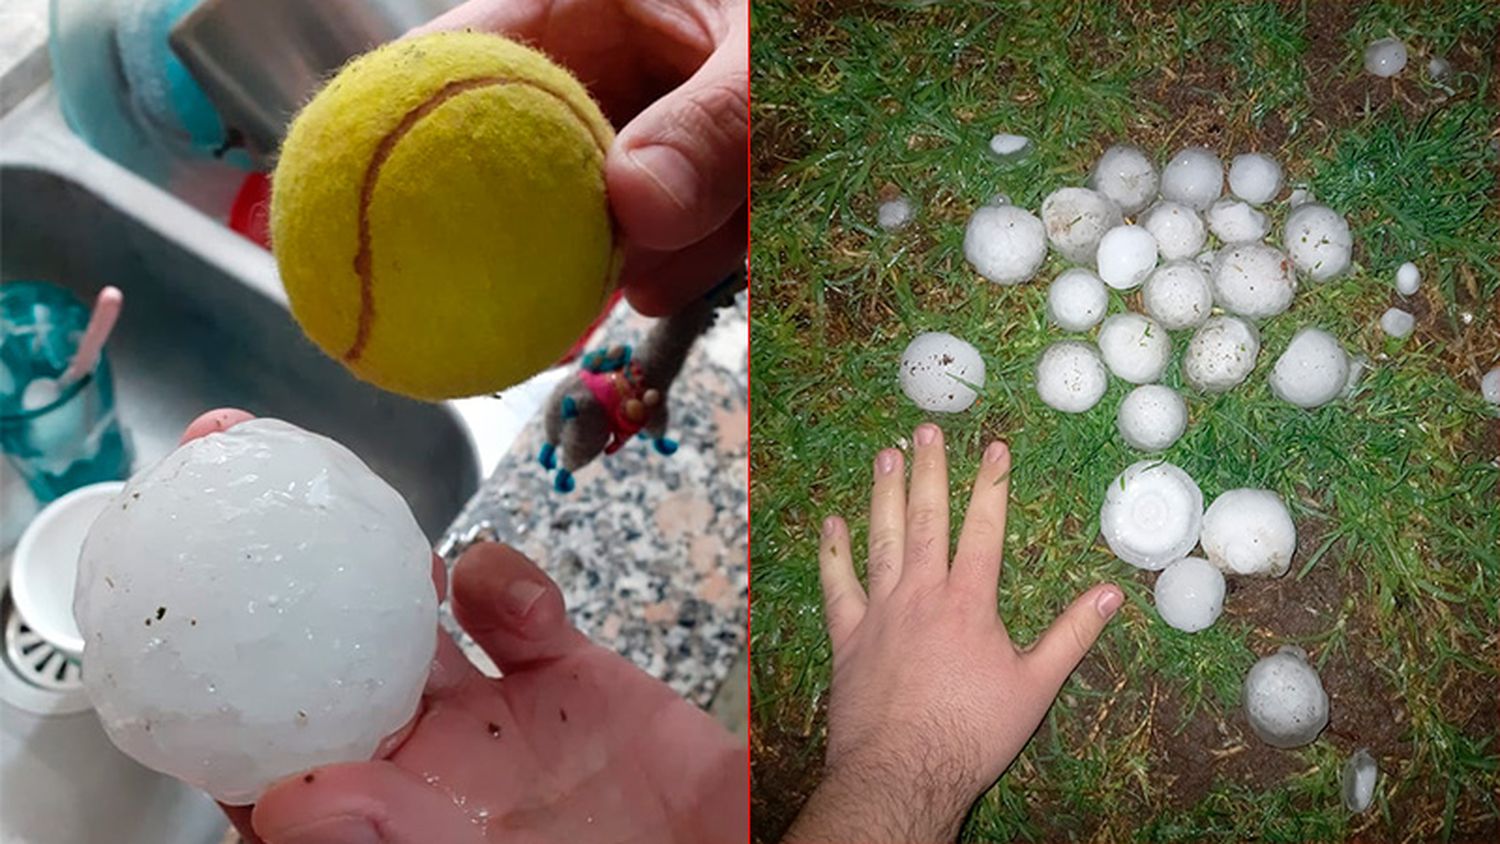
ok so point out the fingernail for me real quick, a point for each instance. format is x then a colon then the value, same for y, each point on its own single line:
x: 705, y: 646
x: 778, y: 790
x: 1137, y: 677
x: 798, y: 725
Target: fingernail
x: 670, y: 170
x: 1108, y: 602
x: 926, y: 433
x: 521, y: 596
x: 995, y: 453
x: 342, y: 830
x: 828, y: 526
x: 885, y: 462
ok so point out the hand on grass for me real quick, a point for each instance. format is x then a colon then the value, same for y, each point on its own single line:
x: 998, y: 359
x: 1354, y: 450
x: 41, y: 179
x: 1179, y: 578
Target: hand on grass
x: 674, y: 75
x: 930, y: 701
x: 573, y: 744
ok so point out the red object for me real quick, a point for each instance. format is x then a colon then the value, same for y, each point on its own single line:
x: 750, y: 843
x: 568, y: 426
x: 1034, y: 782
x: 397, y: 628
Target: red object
x: 250, y: 215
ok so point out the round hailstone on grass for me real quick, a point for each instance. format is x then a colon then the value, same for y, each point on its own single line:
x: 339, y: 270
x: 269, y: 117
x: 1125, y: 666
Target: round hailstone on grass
x: 1385, y: 57
x: 1284, y: 699
x: 1075, y: 219
x: 940, y: 372
x: 1255, y: 178
x: 1313, y: 370
x: 1008, y: 147
x: 1397, y: 323
x: 1358, y: 781
x: 1234, y: 221
x: 1190, y: 594
x: 1253, y: 280
x: 1070, y: 377
x: 1220, y: 355
x: 1134, y: 347
x: 1127, y: 254
x: 1317, y: 240
x: 1178, y: 295
x: 1249, y: 531
x: 1489, y: 386
x: 1076, y: 300
x: 1151, y: 417
x: 258, y: 603
x: 1408, y: 279
x: 1194, y: 177
x: 1005, y: 244
x: 1124, y: 174
x: 1439, y: 68
x: 1178, y: 229
x: 895, y: 214
x: 1152, y: 514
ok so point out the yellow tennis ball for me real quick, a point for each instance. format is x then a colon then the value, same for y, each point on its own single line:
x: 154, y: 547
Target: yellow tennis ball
x: 439, y: 217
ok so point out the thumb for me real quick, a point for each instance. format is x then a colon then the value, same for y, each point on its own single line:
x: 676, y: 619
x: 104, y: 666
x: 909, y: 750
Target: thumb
x: 1058, y: 652
x: 678, y: 170
x: 361, y: 803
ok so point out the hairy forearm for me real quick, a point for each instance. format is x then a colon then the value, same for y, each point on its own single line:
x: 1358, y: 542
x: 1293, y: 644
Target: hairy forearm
x: 877, y: 803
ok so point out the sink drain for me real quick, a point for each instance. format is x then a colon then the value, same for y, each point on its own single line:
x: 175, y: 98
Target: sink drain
x: 36, y: 660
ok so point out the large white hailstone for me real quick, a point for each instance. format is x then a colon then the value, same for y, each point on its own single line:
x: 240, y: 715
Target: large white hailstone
x: 1152, y: 417
x: 1127, y: 254
x: 1313, y: 370
x: 1255, y: 178
x: 1385, y: 57
x: 1249, y: 531
x: 1397, y: 323
x: 1008, y: 147
x: 1194, y: 177
x: 1075, y: 219
x: 895, y: 214
x: 1178, y: 229
x: 1220, y: 355
x: 255, y: 604
x: 1318, y: 241
x: 1076, y: 300
x: 1005, y: 244
x: 1070, y: 377
x: 1234, y: 221
x: 1253, y: 280
x: 1489, y: 386
x: 937, y: 371
x: 1408, y: 279
x: 1358, y: 781
x: 1152, y: 514
x: 1284, y: 699
x: 1124, y: 174
x: 1134, y: 347
x: 1178, y: 295
x: 1190, y: 594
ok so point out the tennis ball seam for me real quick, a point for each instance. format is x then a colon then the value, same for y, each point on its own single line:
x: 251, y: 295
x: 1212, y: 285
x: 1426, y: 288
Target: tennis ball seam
x: 363, y: 261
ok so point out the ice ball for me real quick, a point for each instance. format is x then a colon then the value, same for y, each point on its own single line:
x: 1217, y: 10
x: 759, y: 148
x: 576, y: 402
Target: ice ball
x: 1284, y: 699
x: 1178, y: 295
x: 1385, y: 57
x: 1312, y: 371
x: 940, y: 372
x: 1005, y: 244
x: 1152, y: 514
x: 1076, y: 218
x: 1178, y: 229
x: 895, y: 214
x: 1253, y: 280
x: 1070, y: 377
x: 1194, y: 177
x: 255, y: 604
x: 1318, y: 241
x: 1124, y: 174
x: 1076, y: 300
x: 1408, y: 278
x: 1397, y: 323
x: 1249, y: 531
x: 1255, y: 178
x: 1134, y: 347
x: 1220, y: 355
x: 1152, y: 417
x: 1127, y: 254
x: 1190, y: 594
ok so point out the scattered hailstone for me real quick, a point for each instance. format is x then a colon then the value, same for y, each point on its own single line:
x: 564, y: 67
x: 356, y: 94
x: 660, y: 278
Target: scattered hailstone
x: 1220, y: 355
x: 1008, y: 147
x: 940, y: 372
x: 1255, y: 178
x: 1076, y: 300
x: 1397, y: 323
x: 1408, y: 279
x: 1124, y: 174
x: 1178, y: 295
x: 1313, y: 370
x: 1385, y: 57
x: 1299, y: 196
x: 1358, y: 781
x: 1317, y: 240
x: 1070, y: 377
x: 1284, y: 699
x: 1253, y: 280
x: 1194, y: 177
x: 1249, y: 531
x: 895, y: 214
x: 1076, y: 218
x: 1235, y: 221
x: 1178, y: 229
x: 1152, y: 514
x: 1134, y: 347
x: 258, y: 604
x: 1151, y: 417
x: 1190, y: 594
x: 1489, y: 386
x: 1439, y: 68
x: 1005, y: 244
x: 1127, y: 254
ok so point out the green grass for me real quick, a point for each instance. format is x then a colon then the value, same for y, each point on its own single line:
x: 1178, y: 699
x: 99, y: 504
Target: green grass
x: 1398, y: 484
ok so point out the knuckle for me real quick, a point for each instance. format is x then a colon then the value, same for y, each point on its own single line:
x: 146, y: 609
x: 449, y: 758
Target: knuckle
x: 924, y: 518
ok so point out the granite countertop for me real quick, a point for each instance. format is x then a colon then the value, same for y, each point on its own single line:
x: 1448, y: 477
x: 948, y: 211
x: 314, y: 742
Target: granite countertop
x: 651, y: 552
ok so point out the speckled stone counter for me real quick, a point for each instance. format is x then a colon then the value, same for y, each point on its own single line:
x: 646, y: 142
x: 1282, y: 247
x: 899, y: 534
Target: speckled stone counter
x: 650, y: 551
